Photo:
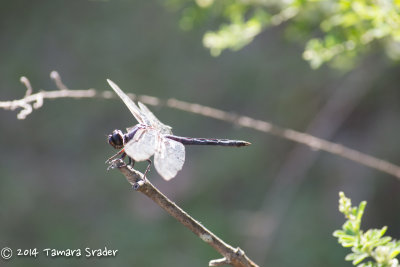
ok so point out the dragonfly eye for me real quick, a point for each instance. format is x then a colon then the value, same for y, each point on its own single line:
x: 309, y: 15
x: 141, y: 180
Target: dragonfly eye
x: 116, y: 139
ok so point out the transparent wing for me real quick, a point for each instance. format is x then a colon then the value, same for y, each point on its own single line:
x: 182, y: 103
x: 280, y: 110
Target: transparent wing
x: 128, y: 102
x: 130, y: 128
x: 169, y: 158
x: 164, y: 129
x: 143, y: 144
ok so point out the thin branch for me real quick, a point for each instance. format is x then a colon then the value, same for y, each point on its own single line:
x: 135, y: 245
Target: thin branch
x: 27, y: 84
x: 35, y: 101
x: 232, y: 256
x: 57, y: 79
x: 313, y: 142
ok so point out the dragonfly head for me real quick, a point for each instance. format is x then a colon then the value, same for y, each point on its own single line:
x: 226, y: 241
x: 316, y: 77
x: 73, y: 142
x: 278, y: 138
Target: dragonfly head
x: 116, y: 139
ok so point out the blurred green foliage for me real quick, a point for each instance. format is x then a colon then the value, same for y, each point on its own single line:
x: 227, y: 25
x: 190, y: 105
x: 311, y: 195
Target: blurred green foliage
x: 335, y: 31
x: 371, y: 244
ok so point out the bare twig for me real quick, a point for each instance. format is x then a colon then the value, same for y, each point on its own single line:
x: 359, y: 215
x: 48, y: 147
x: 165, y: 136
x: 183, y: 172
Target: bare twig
x: 36, y: 100
x: 27, y: 84
x: 57, y: 79
x: 232, y: 256
x: 313, y: 142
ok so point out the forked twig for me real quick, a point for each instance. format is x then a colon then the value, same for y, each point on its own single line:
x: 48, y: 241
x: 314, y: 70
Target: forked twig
x: 35, y: 101
x: 232, y: 256
x: 313, y: 142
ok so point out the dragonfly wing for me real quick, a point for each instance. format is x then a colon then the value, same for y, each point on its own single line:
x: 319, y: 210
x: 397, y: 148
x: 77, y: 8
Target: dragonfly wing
x: 130, y: 128
x: 169, y: 158
x: 164, y: 129
x: 128, y: 102
x: 143, y: 145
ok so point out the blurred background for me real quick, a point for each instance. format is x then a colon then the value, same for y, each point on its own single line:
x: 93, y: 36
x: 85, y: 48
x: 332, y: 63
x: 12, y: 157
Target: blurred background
x: 276, y: 199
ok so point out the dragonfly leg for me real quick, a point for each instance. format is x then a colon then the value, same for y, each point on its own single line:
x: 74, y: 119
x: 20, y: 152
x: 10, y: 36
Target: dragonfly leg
x: 138, y: 184
x: 131, y: 162
x: 123, y: 155
x: 147, y: 169
x: 112, y: 158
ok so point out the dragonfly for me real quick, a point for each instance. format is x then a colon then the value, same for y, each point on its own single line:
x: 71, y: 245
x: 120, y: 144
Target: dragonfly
x: 150, y: 137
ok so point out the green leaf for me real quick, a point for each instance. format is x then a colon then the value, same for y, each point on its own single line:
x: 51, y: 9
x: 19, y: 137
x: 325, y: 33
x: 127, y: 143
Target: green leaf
x: 356, y: 258
x: 345, y: 27
x: 371, y: 244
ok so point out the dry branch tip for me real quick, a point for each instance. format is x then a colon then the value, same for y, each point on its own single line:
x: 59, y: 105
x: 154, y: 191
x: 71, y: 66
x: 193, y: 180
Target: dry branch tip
x: 25, y: 81
x: 57, y: 80
x: 218, y: 262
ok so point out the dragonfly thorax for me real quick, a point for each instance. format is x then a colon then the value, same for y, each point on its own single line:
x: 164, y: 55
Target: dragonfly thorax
x: 116, y: 139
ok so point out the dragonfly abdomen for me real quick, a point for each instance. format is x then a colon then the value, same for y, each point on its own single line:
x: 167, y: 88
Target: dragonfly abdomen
x: 207, y: 141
